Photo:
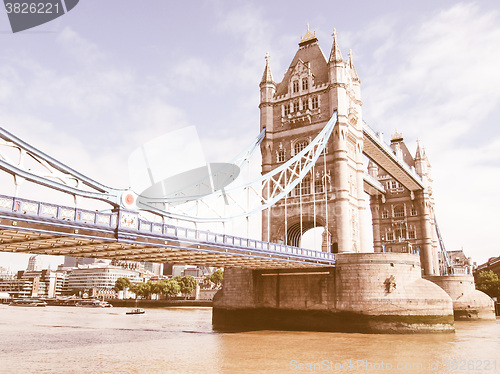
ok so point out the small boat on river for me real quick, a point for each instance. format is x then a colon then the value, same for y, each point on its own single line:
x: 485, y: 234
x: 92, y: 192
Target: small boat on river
x: 28, y: 302
x: 136, y: 311
x: 94, y: 304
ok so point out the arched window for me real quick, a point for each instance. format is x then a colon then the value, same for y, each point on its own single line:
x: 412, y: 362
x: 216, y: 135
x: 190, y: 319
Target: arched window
x: 295, y: 86
x: 412, y: 234
x: 300, y: 145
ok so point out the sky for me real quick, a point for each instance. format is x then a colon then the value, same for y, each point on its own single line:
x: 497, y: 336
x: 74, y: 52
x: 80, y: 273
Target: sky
x: 93, y: 85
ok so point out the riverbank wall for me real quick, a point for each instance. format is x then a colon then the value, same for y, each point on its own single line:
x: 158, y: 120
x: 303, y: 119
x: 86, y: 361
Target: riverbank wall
x: 160, y: 303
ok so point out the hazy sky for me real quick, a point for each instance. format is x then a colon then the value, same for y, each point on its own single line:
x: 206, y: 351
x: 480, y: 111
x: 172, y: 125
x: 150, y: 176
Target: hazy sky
x: 91, y: 86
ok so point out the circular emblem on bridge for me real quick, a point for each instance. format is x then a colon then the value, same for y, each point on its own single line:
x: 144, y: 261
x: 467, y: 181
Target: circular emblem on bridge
x: 128, y: 199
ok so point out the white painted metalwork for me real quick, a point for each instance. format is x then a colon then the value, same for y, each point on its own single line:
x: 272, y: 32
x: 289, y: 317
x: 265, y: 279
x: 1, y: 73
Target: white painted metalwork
x: 50, y: 172
x: 19, y: 216
x: 243, y: 200
x: 279, y: 182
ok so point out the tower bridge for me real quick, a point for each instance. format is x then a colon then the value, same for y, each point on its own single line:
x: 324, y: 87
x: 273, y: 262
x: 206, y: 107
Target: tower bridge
x: 28, y: 226
x: 313, y: 140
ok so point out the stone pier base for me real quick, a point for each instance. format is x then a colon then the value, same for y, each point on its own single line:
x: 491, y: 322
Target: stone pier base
x: 468, y: 303
x: 365, y: 292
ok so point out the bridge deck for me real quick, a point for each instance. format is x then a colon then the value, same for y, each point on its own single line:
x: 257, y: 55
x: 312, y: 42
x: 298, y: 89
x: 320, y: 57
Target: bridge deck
x: 33, y: 227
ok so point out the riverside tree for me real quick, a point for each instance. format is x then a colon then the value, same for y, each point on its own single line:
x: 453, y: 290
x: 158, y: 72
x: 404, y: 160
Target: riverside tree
x: 169, y: 287
x: 187, y: 284
x: 216, y: 277
x: 488, y: 282
x: 121, y: 284
x: 141, y: 289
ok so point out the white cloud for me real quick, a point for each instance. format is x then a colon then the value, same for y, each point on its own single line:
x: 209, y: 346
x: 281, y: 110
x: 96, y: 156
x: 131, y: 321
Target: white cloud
x: 439, y: 82
x: 81, y: 49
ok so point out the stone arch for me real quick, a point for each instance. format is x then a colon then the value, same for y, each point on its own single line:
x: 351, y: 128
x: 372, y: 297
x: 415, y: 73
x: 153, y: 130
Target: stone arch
x: 296, y: 230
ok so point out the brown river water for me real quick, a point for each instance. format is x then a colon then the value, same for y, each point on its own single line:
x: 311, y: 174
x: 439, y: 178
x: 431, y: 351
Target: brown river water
x: 181, y: 340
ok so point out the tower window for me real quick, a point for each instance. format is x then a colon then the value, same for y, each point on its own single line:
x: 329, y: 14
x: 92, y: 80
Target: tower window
x: 286, y: 109
x: 281, y: 155
x: 300, y: 145
x: 305, y: 186
x: 413, y: 211
x: 295, y: 106
x: 401, y: 233
x: 305, y: 84
x: 314, y: 102
x: 305, y: 104
x: 318, y: 186
x: 385, y: 214
x: 412, y: 234
x: 399, y: 211
x: 295, y: 86
x: 390, y: 236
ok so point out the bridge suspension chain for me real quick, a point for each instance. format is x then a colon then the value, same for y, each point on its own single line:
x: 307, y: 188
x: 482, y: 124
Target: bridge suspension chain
x: 279, y: 183
x: 35, y: 166
x: 244, y: 199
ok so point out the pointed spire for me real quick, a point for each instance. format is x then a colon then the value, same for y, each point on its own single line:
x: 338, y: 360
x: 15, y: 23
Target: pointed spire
x: 420, y: 153
x: 335, y: 55
x: 267, y: 77
x: 351, y: 65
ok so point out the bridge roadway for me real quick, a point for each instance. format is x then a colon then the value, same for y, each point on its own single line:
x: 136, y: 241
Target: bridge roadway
x: 28, y: 226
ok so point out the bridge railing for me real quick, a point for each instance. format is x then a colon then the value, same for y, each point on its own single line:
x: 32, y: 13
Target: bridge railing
x: 49, y: 210
x: 232, y: 241
x: 110, y: 221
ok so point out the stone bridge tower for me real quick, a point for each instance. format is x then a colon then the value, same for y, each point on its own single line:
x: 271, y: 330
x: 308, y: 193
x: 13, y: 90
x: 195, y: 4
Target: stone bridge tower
x: 293, y: 112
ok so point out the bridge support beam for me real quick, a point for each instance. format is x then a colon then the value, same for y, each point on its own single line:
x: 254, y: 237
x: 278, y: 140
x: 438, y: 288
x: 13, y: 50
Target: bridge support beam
x: 365, y: 292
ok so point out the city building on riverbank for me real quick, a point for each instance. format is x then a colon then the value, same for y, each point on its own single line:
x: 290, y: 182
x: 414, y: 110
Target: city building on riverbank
x: 35, y: 283
x: 492, y: 264
x: 98, y: 280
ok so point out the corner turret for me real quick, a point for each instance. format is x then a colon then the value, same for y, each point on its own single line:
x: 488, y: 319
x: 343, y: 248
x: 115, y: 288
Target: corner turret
x: 267, y: 92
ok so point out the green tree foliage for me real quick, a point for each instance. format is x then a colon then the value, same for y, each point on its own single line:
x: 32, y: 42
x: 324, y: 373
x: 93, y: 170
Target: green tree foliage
x: 141, y: 289
x: 216, y: 277
x: 488, y: 282
x: 121, y: 284
x: 169, y: 287
x: 187, y: 284
x: 156, y: 287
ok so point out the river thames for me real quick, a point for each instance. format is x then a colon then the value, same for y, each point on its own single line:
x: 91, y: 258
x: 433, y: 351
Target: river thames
x: 181, y: 340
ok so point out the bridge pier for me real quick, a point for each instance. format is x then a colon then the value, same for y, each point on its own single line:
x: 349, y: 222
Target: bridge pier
x: 468, y: 303
x: 365, y: 292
